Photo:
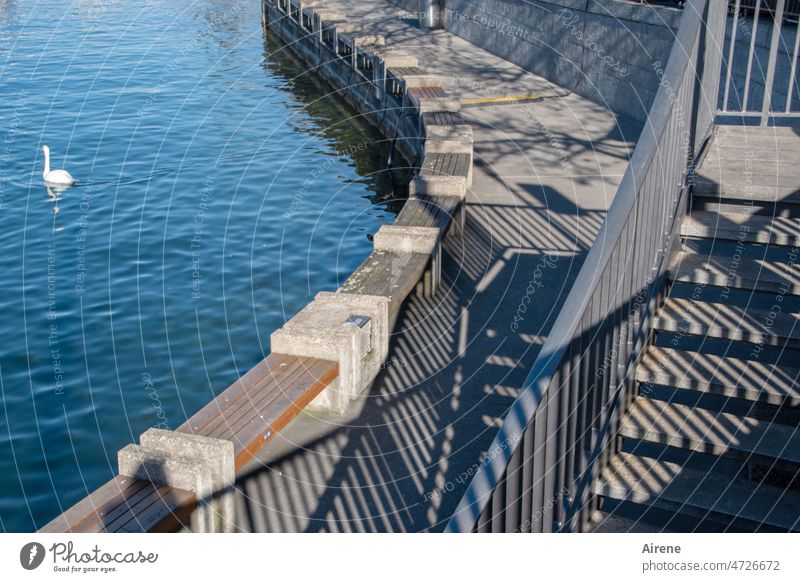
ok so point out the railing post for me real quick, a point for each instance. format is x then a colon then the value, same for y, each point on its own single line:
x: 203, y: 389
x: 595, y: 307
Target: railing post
x: 731, y: 51
x: 766, y: 102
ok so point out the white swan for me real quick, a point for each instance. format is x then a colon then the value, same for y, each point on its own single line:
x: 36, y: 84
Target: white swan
x: 59, y: 177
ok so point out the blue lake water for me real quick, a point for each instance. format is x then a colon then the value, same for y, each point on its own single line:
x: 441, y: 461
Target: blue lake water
x: 219, y: 189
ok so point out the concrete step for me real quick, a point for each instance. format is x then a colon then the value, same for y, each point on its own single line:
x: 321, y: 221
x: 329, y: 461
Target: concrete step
x: 674, y: 488
x: 713, y: 204
x: 755, y: 132
x: 727, y: 271
x: 742, y: 227
x: 747, y: 154
x: 714, y: 433
x: 723, y: 375
x: 732, y: 322
x: 755, y: 143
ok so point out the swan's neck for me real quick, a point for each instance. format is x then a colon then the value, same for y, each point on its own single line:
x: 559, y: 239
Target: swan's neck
x: 46, y: 163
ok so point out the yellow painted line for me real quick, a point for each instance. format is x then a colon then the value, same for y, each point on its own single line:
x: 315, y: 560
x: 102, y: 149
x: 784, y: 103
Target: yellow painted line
x: 504, y: 99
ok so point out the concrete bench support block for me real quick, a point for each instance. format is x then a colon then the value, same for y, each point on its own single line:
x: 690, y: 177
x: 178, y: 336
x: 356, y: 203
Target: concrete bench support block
x: 397, y: 58
x: 438, y: 186
x: 320, y: 331
x: 450, y: 133
x: 418, y: 81
x: 192, y: 462
x: 315, y: 5
x: 347, y: 30
x: 406, y: 239
x: 373, y: 40
x: 330, y: 14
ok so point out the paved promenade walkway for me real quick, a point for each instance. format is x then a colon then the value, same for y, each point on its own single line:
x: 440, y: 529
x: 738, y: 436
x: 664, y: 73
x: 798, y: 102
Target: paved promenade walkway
x: 546, y: 171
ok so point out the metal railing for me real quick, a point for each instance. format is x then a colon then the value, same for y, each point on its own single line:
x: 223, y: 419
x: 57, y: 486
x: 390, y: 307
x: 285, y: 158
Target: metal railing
x: 752, y: 65
x: 560, y: 432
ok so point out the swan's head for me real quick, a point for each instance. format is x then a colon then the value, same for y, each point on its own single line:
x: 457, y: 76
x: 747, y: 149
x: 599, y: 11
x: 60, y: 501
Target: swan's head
x: 46, y: 150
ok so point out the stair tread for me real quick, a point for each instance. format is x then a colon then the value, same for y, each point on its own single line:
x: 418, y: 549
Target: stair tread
x: 648, y: 481
x: 728, y: 151
x: 733, y: 377
x: 754, y: 274
x: 726, y: 321
x: 755, y: 190
x: 756, y: 140
x: 738, y: 174
x: 710, y: 432
x: 755, y: 136
x: 745, y: 227
x: 730, y: 160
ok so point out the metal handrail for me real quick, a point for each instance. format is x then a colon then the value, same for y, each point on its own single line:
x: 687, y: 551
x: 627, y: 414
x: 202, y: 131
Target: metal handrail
x: 558, y: 434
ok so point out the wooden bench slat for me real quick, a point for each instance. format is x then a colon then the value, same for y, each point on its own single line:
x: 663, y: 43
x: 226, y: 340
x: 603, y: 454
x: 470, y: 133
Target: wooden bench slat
x: 461, y: 168
x: 419, y: 212
x: 430, y: 214
x: 446, y: 118
x: 257, y: 403
x: 448, y: 165
x: 273, y: 366
x: 411, y: 212
x: 118, y: 502
x: 376, y: 281
x: 430, y: 211
x: 135, y: 509
x: 123, y: 504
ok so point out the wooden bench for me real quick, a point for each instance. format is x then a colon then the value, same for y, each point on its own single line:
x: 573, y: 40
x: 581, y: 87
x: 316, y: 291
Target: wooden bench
x: 417, y: 95
x: 262, y: 402
x: 396, y: 275
x: 249, y: 413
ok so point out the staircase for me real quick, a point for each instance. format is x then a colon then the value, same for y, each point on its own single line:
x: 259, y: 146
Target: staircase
x: 711, y: 442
